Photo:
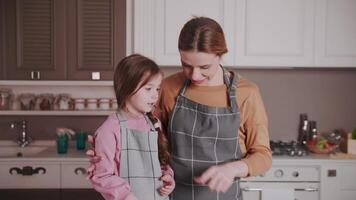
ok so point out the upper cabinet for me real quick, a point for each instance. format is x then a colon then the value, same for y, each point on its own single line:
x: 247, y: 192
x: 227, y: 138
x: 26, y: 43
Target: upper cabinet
x: 63, y: 39
x: 96, y: 38
x: 274, y: 33
x: 34, y: 39
x: 335, y: 38
x: 157, y: 24
x: 271, y: 33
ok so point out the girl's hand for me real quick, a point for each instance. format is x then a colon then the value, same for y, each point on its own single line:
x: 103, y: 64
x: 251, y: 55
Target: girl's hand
x: 219, y: 178
x: 92, y: 157
x: 168, y: 185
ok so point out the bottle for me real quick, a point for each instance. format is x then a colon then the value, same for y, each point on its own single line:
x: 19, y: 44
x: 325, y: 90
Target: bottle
x: 303, y: 129
x: 313, y: 132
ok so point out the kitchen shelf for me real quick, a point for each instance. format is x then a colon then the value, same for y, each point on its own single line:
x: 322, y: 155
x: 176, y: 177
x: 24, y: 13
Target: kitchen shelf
x: 56, y: 113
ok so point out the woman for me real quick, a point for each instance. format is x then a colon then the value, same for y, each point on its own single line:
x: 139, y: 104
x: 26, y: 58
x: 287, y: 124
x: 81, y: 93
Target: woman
x: 215, y: 119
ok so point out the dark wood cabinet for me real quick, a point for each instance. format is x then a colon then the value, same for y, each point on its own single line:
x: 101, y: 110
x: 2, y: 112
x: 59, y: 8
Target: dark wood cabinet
x: 34, y: 40
x: 95, y: 35
x: 30, y: 194
x: 52, y: 194
x: 2, y: 10
x: 80, y: 194
x: 62, y: 39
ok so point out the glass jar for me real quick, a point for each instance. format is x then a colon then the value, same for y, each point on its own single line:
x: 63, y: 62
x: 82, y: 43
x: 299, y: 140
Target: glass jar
x: 44, y: 102
x: 104, y: 104
x: 5, y: 98
x: 79, y: 104
x: 92, y: 104
x: 27, y: 101
x: 63, y: 102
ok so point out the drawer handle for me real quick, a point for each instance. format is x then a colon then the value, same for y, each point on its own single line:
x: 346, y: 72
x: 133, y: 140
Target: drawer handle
x: 80, y: 169
x: 309, y: 189
x: 27, y: 170
x: 247, y: 189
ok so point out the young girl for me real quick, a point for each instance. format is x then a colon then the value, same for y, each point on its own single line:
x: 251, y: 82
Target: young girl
x: 133, y: 165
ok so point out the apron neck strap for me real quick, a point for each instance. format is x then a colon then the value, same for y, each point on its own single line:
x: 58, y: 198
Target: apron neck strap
x: 123, y: 120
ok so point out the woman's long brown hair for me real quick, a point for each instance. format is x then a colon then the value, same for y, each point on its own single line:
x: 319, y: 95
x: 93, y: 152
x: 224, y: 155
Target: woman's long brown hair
x: 129, y: 73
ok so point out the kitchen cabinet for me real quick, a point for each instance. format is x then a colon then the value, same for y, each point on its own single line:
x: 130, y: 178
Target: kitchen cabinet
x: 259, y: 34
x: 30, y: 194
x: 338, y: 181
x: 34, y: 46
x: 74, y: 183
x: 157, y: 24
x: 24, y: 175
x: 335, y: 41
x: 95, y: 38
x: 274, y: 33
x: 62, y: 180
x: 63, y: 40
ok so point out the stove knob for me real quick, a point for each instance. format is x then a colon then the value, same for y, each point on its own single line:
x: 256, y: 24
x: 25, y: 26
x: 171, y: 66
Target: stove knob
x: 295, y: 174
x: 278, y: 173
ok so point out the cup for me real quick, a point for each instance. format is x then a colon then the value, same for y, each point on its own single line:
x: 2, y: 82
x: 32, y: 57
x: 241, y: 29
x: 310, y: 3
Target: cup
x: 81, y: 139
x: 62, y: 144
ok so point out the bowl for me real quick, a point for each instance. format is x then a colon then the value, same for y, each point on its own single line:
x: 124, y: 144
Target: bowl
x: 326, y: 150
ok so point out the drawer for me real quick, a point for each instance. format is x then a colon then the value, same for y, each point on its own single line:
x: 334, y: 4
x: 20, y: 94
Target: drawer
x: 44, y: 175
x: 289, y: 173
x: 74, y: 176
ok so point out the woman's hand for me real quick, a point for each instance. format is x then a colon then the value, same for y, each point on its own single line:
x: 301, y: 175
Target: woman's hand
x: 92, y: 157
x: 219, y: 178
x: 168, y: 185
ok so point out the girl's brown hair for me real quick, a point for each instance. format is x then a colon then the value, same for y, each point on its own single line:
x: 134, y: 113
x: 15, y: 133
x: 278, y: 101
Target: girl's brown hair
x: 204, y: 35
x: 132, y: 73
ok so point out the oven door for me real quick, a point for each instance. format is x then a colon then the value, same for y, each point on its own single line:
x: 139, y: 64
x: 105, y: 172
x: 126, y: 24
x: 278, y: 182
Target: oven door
x: 276, y: 190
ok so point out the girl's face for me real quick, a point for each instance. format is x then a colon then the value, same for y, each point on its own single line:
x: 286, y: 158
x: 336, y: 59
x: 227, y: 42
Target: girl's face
x: 201, y: 68
x: 146, y: 97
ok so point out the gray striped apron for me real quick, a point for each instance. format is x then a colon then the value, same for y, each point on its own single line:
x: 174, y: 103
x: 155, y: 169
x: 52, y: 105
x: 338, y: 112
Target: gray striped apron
x: 139, y: 163
x: 203, y: 136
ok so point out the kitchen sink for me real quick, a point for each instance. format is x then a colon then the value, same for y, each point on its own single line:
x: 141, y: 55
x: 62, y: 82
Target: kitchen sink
x: 16, y: 151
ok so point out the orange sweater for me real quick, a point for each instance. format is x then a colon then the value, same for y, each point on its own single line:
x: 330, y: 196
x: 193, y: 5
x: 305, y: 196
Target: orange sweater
x: 254, y: 139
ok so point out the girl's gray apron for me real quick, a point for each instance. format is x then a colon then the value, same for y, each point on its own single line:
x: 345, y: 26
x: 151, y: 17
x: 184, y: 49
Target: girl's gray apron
x: 139, y: 163
x: 203, y: 136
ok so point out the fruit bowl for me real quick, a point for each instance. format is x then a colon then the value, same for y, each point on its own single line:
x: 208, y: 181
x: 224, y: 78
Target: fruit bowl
x: 325, y: 150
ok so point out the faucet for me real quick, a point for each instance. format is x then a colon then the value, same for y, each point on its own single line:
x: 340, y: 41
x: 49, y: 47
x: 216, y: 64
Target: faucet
x: 23, y: 139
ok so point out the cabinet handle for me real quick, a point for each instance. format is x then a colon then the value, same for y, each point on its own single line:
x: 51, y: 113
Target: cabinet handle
x: 38, y: 75
x: 80, y: 169
x: 247, y: 189
x: 32, y: 75
x: 27, y: 170
x: 308, y: 189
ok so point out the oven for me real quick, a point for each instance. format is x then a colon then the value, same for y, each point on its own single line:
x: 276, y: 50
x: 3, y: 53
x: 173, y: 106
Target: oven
x: 284, y: 182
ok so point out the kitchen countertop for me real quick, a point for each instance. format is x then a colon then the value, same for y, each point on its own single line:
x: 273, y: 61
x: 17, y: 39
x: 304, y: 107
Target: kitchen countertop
x: 49, y: 154
x: 72, y: 155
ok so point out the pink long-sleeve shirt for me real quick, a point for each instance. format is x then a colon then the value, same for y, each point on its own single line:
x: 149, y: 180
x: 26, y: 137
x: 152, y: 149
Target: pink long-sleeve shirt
x: 106, y: 179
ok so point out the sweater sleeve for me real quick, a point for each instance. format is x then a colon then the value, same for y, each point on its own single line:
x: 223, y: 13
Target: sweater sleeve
x: 255, y: 127
x: 106, y: 179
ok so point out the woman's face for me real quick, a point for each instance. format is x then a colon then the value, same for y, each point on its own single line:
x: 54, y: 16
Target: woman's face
x: 201, y: 68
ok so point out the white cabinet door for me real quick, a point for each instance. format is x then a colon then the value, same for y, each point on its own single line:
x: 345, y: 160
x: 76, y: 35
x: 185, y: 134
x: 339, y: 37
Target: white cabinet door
x: 29, y: 175
x: 274, y: 33
x: 157, y: 24
x: 335, y: 39
x: 74, y: 175
x: 338, y: 181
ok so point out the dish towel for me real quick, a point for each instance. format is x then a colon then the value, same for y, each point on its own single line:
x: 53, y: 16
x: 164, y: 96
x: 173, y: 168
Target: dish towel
x: 278, y: 193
